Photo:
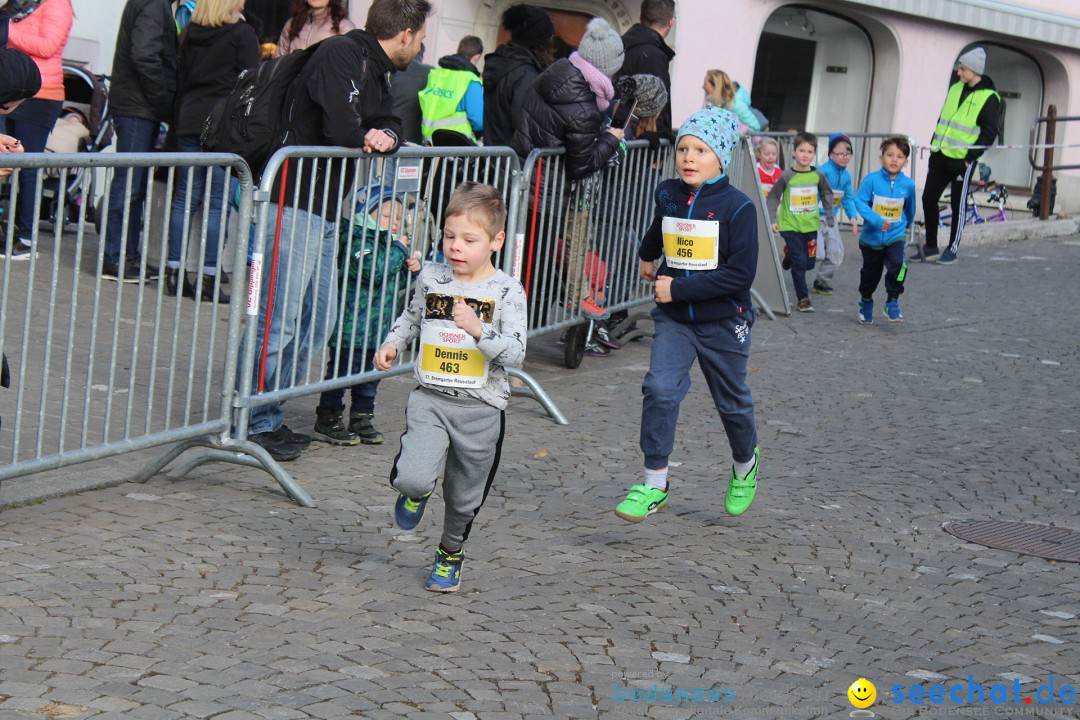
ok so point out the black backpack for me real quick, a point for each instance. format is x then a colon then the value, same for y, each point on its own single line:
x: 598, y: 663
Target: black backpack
x: 253, y: 121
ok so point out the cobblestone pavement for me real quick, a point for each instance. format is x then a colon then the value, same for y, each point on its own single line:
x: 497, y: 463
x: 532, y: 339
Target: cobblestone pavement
x: 213, y: 596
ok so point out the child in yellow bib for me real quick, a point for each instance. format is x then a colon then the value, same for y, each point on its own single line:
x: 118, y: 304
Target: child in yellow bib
x: 470, y: 319
x: 701, y: 251
x: 886, y: 203
x: 793, y: 208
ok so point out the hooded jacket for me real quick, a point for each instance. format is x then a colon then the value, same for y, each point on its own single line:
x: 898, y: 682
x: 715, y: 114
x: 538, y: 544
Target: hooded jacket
x: 560, y: 110
x: 646, y: 52
x: 706, y: 295
x: 344, y: 92
x: 472, y: 100
x: 144, y: 71
x: 211, y: 58
x: 509, y: 72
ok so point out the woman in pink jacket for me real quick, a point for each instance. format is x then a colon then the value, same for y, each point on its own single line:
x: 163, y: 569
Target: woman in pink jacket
x: 42, y: 34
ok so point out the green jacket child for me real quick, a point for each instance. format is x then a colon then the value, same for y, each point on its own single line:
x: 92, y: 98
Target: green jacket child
x: 376, y: 259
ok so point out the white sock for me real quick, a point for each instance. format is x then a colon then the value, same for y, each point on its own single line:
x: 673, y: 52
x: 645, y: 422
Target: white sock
x: 656, y: 478
x: 741, y: 468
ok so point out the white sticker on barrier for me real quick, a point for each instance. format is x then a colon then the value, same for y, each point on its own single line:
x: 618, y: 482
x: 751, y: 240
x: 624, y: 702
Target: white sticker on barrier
x: 519, y: 253
x: 254, y: 284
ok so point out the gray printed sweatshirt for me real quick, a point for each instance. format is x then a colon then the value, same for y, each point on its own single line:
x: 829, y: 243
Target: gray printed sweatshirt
x: 499, y: 301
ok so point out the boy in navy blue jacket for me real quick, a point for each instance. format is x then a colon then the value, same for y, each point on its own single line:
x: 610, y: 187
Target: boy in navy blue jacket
x: 705, y: 232
x: 886, y: 203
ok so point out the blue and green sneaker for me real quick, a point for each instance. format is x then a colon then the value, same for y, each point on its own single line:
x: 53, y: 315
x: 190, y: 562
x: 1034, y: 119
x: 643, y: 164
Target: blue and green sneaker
x: 407, y: 512
x: 641, y: 502
x: 446, y: 574
x: 742, y: 488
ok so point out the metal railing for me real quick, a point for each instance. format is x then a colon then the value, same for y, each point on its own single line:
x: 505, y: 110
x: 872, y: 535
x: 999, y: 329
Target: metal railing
x: 1050, y: 121
x: 101, y: 368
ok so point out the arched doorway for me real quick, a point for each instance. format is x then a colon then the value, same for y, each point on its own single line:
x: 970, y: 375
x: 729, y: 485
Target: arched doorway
x: 1019, y: 79
x: 813, y: 71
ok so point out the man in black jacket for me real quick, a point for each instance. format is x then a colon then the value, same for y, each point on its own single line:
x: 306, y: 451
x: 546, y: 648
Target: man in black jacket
x: 512, y: 69
x: 969, y: 117
x: 141, y: 97
x: 647, y: 53
x: 343, y: 99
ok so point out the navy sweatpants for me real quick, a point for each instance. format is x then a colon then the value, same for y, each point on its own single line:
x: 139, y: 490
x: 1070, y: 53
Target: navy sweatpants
x: 723, y: 348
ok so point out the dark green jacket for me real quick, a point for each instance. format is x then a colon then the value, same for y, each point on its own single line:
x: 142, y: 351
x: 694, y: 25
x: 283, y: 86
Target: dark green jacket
x: 375, y: 265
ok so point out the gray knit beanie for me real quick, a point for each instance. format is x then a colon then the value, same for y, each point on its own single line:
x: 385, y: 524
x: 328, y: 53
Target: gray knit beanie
x: 974, y: 60
x: 648, y: 90
x: 602, y: 47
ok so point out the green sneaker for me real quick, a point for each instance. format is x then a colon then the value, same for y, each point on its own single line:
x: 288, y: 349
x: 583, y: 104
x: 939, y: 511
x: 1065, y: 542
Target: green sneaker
x: 742, y: 488
x: 641, y: 502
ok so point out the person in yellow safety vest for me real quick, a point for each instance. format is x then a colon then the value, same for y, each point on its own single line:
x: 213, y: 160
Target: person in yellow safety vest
x: 968, y: 118
x: 454, y: 98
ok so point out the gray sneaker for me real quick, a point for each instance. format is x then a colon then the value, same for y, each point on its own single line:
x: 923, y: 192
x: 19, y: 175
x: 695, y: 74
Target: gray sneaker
x: 330, y: 428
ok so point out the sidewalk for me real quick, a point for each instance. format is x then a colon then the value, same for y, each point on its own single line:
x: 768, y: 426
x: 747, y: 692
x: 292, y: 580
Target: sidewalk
x: 215, y: 597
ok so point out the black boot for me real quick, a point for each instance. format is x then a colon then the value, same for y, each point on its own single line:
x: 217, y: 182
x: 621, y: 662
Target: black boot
x: 207, y: 295
x: 172, y: 278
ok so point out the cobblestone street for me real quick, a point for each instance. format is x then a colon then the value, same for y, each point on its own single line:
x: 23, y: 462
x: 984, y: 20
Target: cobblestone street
x: 214, y: 596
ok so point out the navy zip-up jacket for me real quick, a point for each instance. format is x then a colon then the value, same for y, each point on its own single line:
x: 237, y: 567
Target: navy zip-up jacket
x: 705, y: 295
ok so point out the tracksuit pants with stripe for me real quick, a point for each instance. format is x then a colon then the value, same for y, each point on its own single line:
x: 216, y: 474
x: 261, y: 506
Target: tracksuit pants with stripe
x: 943, y: 172
x: 459, y: 439
x: 875, y: 259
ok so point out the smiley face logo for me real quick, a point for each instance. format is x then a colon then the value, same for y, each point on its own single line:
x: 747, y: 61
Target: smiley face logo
x: 862, y: 693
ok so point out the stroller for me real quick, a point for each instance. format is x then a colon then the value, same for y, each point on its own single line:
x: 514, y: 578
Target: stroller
x: 86, y: 107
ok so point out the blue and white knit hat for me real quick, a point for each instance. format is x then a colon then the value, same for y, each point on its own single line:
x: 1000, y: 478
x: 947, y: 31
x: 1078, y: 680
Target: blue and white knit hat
x: 717, y: 128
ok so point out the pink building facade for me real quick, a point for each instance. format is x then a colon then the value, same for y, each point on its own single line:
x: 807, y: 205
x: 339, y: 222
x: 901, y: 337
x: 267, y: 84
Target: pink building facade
x: 851, y: 65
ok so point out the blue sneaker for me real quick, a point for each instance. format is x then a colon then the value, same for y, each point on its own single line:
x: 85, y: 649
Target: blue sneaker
x: 892, y: 311
x: 446, y: 574
x: 407, y: 512
x: 946, y: 258
x: 866, y: 312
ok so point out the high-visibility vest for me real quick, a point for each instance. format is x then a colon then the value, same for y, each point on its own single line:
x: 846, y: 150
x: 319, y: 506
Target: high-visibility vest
x: 958, y: 122
x: 440, y: 99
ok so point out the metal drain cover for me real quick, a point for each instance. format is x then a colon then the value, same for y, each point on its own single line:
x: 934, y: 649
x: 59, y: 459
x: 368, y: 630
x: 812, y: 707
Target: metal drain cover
x: 1053, y: 543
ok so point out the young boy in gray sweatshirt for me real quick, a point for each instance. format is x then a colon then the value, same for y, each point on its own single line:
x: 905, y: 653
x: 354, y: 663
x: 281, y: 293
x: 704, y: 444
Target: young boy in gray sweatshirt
x: 471, y: 321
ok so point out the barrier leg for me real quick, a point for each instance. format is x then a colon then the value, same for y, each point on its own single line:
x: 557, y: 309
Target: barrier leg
x: 762, y: 305
x: 533, y: 390
x: 238, y: 453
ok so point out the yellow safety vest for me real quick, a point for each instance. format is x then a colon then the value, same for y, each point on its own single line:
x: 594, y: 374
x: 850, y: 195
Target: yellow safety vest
x: 440, y: 99
x: 958, y: 123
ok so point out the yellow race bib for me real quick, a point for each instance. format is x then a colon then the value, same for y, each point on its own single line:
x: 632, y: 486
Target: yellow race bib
x: 888, y: 208
x: 691, y: 244
x: 803, y: 199
x: 449, y: 357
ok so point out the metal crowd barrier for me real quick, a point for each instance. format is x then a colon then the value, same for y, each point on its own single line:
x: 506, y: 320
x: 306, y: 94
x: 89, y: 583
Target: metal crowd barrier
x: 578, y: 240
x: 101, y: 368
x: 158, y: 371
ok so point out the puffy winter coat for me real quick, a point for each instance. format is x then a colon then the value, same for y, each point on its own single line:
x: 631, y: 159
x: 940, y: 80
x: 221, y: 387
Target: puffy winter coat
x: 144, y: 64
x: 560, y: 110
x: 509, y: 72
x: 42, y: 35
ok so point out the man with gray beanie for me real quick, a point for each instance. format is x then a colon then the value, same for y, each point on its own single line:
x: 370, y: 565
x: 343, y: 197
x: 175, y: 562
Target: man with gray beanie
x: 969, y: 117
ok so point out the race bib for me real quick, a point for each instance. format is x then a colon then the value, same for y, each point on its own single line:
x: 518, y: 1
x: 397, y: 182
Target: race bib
x: 888, y: 208
x: 803, y: 199
x: 449, y: 357
x: 837, y: 196
x: 765, y: 188
x: 691, y: 244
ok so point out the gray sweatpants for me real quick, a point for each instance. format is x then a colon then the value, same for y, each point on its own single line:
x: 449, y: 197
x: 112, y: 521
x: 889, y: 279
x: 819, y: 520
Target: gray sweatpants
x: 830, y: 250
x: 459, y: 438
